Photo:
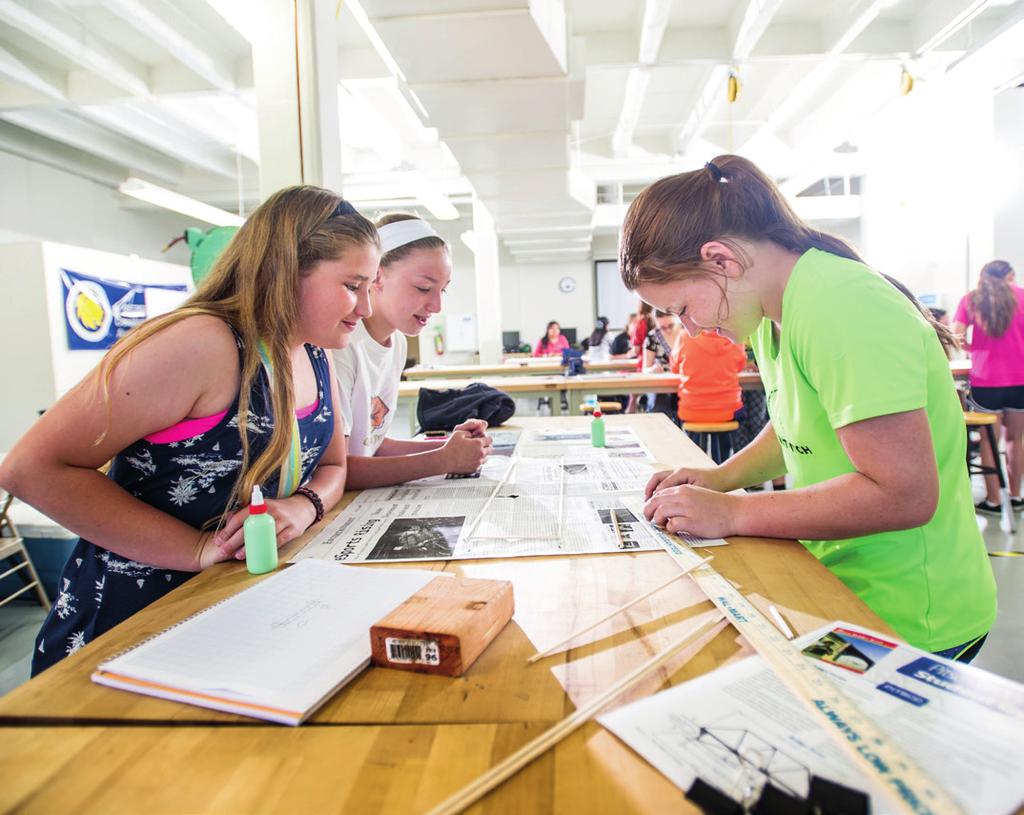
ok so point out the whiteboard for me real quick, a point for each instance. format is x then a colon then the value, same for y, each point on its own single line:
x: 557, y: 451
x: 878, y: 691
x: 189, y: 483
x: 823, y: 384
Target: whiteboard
x: 614, y: 300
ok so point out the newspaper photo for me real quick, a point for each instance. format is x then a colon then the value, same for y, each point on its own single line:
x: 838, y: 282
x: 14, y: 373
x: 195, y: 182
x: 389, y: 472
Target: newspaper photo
x: 741, y: 731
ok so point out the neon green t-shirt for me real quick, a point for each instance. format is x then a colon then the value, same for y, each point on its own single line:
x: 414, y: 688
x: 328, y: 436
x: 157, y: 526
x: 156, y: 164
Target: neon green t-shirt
x: 852, y: 347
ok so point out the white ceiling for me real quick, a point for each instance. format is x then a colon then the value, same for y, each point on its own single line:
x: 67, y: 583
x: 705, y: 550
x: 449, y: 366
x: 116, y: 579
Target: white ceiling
x: 527, y: 103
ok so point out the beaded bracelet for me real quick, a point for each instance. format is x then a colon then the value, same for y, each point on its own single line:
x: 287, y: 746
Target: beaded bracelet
x: 318, y: 505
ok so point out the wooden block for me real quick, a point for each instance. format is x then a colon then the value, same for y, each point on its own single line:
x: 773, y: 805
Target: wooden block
x: 444, y: 627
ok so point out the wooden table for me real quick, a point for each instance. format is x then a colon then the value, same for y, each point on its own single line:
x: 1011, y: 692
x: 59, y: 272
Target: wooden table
x: 391, y: 740
x: 573, y: 388
x: 536, y: 366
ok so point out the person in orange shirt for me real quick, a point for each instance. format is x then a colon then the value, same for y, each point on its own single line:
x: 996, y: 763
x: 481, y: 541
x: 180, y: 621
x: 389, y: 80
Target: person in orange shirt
x: 709, y: 366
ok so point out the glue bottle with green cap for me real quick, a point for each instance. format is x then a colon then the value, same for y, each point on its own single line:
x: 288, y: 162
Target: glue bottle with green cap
x: 597, y: 429
x: 260, y: 534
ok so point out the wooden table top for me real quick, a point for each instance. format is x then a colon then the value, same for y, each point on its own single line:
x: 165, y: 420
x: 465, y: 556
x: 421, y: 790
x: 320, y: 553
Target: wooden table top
x: 528, y: 366
x: 399, y: 741
x: 359, y: 769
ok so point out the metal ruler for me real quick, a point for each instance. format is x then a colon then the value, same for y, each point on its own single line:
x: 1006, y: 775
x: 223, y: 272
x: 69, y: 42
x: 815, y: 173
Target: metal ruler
x: 871, y: 748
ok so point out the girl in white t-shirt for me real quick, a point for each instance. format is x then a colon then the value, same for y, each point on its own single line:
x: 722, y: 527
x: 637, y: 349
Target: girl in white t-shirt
x: 415, y: 268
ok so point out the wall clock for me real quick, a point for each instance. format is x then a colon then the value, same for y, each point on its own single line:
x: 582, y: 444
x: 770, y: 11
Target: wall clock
x: 567, y: 284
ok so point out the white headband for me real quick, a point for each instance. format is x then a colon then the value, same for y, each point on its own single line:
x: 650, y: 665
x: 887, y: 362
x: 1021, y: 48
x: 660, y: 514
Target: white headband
x: 399, y: 233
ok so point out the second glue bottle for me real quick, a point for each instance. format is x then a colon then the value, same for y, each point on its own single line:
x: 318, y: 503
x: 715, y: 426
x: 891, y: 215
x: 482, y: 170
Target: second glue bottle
x: 597, y: 429
x: 260, y: 534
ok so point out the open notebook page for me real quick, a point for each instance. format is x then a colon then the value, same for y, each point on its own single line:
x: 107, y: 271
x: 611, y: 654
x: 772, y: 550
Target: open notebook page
x: 285, y: 642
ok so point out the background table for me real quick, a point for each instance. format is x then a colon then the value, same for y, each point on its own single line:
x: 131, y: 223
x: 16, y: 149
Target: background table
x: 536, y: 366
x: 392, y: 740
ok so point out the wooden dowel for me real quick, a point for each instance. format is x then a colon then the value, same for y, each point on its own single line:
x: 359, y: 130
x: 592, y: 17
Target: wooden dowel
x: 504, y: 770
x: 511, y: 466
x: 549, y: 651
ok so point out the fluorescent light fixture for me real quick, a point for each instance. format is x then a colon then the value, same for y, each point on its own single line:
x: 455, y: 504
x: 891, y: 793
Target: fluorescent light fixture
x: 168, y: 199
x: 469, y: 239
x: 959, y: 21
x: 653, y: 29
x: 636, y: 89
x: 371, y: 34
x: 756, y: 18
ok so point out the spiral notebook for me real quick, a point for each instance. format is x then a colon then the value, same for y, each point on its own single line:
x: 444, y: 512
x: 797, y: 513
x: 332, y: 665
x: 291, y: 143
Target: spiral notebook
x: 277, y: 650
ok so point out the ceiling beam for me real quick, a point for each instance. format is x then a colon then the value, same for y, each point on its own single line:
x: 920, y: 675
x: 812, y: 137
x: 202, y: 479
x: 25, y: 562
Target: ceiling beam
x: 159, y: 134
x: 16, y: 70
x: 652, y: 30
x: 940, y: 19
x: 746, y: 29
x: 71, y: 40
x: 213, y: 67
x: 91, y: 138
x: 838, y: 31
x: 51, y: 153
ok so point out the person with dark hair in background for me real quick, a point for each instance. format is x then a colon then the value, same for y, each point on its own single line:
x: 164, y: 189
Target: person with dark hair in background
x: 552, y: 343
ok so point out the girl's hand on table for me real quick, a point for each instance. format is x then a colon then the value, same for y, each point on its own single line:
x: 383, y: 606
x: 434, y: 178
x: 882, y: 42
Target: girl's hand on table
x: 697, y: 510
x: 292, y: 516
x: 708, y: 477
x: 477, y: 428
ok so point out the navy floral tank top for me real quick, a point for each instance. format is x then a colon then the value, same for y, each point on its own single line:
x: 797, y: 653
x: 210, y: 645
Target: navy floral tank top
x: 189, y: 479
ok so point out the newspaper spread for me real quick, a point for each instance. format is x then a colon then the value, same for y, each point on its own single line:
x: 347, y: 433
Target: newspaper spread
x: 740, y: 729
x: 548, y: 493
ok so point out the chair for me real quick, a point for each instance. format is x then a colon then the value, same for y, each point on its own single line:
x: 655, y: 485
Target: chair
x: 606, y: 407
x: 12, y: 547
x: 984, y: 423
x: 714, y: 438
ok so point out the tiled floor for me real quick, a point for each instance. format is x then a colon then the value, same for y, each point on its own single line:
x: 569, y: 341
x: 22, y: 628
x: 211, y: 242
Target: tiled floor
x: 1003, y: 652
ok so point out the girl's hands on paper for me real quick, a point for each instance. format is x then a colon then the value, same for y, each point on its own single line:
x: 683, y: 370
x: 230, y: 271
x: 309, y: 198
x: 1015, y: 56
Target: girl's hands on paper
x: 477, y: 428
x: 292, y: 516
x: 464, y: 453
x: 708, y: 477
x: 697, y: 510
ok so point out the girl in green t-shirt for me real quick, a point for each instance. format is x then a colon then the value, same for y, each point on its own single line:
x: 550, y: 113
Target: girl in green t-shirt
x: 864, y: 417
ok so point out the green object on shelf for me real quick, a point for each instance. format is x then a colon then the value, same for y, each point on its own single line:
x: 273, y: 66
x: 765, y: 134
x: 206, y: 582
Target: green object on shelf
x: 206, y: 247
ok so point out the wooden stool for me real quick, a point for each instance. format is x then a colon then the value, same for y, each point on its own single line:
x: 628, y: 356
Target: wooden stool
x: 985, y: 423
x: 709, y: 437
x: 606, y: 407
x: 11, y: 546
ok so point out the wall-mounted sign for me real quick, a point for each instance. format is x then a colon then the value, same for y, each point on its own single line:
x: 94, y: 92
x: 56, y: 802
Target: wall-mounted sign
x: 100, y: 311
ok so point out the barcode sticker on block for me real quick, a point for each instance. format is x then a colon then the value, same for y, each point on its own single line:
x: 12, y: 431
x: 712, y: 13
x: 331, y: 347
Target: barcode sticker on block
x: 412, y: 652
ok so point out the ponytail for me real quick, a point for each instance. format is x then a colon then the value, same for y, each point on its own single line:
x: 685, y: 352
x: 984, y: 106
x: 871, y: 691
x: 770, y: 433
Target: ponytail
x: 994, y: 302
x: 728, y: 199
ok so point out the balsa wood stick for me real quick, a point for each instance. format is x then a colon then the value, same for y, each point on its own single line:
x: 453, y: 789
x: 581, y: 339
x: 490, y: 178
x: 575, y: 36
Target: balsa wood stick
x: 549, y: 651
x: 497, y: 487
x: 501, y: 772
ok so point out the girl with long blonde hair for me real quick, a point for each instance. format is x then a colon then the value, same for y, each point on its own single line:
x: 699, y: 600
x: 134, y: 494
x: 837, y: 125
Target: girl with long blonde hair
x: 186, y: 406
x: 995, y: 312
x: 863, y: 413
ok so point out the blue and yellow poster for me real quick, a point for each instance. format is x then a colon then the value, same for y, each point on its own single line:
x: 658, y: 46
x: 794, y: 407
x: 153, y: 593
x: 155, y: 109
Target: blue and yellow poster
x: 100, y: 311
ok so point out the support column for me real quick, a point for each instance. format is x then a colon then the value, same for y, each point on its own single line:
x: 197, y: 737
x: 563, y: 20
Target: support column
x: 295, y: 74
x: 488, y: 286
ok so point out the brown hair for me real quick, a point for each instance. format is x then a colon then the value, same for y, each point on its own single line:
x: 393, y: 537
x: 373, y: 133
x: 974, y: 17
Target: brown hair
x: 254, y: 287
x: 406, y: 249
x: 729, y: 199
x: 993, y: 302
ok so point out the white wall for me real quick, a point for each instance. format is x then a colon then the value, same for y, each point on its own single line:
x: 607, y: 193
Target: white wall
x: 38, y: 202
x: 1008, y: 165
x: 927, y: 199
x: 530, y: 297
